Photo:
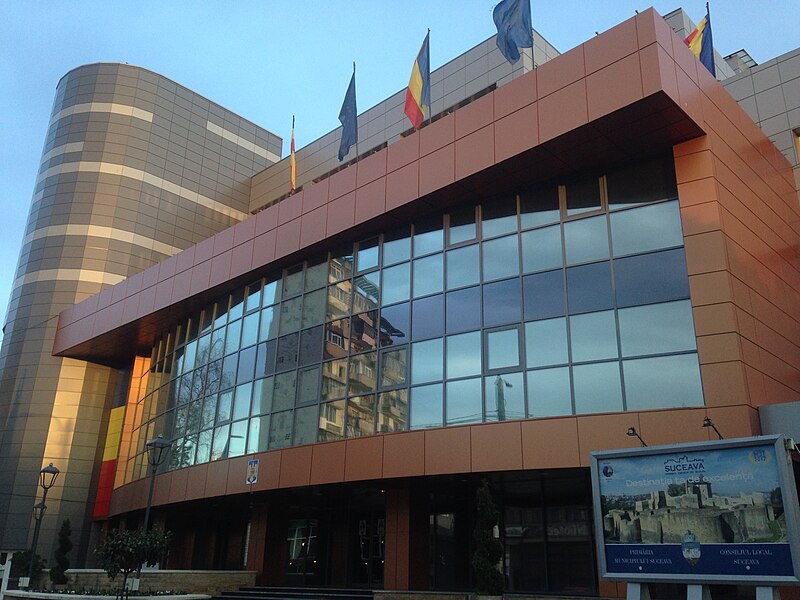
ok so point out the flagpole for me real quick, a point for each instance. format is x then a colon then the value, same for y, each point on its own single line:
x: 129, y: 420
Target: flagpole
x: 430, y: 108
x: 355, y: 116
x: 293, y: 162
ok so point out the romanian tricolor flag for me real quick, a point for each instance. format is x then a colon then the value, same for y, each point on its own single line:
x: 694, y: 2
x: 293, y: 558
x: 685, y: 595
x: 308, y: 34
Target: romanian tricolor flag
x: 701, y: 43
x: 292, y: 161
x: 418, y: 94
x: 109, y: 465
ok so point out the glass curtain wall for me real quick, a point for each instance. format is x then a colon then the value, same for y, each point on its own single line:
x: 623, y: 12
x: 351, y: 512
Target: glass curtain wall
x: 565, y: 298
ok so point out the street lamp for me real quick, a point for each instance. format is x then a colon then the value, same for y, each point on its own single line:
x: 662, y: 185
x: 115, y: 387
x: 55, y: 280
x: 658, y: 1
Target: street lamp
x: 633, y: 433
x: 47, y: 479
x: 156, y: 453
x: 709, y: 423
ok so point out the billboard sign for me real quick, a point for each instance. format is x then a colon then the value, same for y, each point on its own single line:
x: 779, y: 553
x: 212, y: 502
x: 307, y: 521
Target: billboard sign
x: 709, y: 512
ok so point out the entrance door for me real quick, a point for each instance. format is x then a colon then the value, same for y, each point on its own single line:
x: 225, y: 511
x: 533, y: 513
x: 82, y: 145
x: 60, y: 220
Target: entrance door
x: 368, y: 529
x: 303, y: 543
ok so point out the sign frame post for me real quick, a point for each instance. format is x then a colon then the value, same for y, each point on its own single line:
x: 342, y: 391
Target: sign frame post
x: 775, y: 558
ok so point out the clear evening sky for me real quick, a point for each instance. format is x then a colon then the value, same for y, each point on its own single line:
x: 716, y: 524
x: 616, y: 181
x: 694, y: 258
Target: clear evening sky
x: 269, y: 60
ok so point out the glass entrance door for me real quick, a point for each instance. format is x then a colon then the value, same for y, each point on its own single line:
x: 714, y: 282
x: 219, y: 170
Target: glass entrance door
x: 303, y: 541
x: 368, y: 532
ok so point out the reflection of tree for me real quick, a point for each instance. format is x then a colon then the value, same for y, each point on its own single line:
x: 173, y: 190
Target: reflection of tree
x: 197, y: 403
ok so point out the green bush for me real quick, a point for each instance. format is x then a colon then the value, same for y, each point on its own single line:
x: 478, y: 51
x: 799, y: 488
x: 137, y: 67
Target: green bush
x: 126, y: 551
x: 58, y: 571
x: 21, y: 561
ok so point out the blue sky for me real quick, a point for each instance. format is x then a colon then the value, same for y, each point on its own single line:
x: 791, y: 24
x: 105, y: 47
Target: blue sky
x: 267, y: 60
x: 760, y: 476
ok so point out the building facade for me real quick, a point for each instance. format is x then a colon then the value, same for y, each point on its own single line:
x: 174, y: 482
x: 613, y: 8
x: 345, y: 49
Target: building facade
x: 603, y: 241
x: 135, y: 168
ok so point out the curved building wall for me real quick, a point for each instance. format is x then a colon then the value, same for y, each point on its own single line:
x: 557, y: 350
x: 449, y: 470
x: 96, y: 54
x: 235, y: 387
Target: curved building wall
x: 134, y: 169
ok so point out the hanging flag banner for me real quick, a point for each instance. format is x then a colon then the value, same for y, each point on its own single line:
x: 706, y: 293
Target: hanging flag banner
x: 348, y: 118
x: 252, y: 471
x: 710, y: 512
x: 701, y: 43
x: 514, y: 30
x: 418, y: 94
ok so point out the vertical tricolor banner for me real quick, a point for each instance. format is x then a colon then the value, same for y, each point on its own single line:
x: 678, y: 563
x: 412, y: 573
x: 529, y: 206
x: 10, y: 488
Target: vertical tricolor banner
x: 701, y: 43
x: 418, y: 94
x: 110, y: 453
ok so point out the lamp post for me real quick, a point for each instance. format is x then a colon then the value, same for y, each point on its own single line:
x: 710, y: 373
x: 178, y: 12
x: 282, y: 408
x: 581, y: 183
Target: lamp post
x: 633, y: 433
x: 709, y: 423
x: 47, y: 479
x: 156, y: 453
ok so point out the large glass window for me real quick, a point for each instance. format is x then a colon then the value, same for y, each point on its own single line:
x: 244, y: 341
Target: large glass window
x: 501, y: 302
x: 463, y: 267
x: 458, y: 319
x: 647, y: 278
x: 586, y: 240
x: 505, y: 397
x: 463, y: 310
x: 541, y: 249
x: 546, y: 343
x: 544, y: 295
x: 646, y: 228
x: 597, y: 388
x: 657, y: 328
x: 501, y: 258
x: 426, y: 406
x: 426, y: 361
x: 464, y: 401
x: 663, y: 382
x: 502, y: 349
x: 593, y: 336
x: 428, y: 275
x: 464, y: 355
x: 549, y: 393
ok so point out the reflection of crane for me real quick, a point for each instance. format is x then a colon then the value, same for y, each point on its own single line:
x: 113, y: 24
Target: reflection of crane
x: 500, y: 397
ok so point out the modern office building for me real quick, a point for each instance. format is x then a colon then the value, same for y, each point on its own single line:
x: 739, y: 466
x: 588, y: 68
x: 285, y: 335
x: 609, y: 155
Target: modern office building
x: 135, y: 168
x: 575, y: 245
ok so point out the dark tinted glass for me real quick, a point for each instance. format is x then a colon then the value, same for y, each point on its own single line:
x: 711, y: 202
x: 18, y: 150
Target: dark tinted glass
x: 583, y: 195
x: 499, y: 216
x: 394, y: 325
x: 228, y: 376
x: 651, y: 278
x: 311, y: 345
x: 247, y: 363
x: 501, y: 303
x: 428, y: 317
x: 589, y: 288
x: 464, y: 310
x: 428, y: 236
x: 462, y: 225
x: 265, y: 359
x: 642, y: 182
x: 287, y: 352
x: 544, y: 295
x: 539, y: 206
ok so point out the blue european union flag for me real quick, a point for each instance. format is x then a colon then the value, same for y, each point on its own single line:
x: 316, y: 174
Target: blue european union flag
x: 348, y: 118
x: 514, y: 29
